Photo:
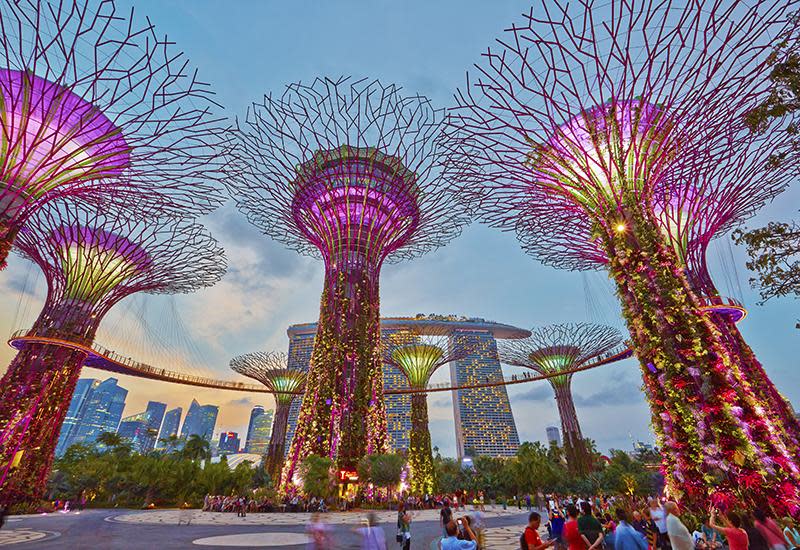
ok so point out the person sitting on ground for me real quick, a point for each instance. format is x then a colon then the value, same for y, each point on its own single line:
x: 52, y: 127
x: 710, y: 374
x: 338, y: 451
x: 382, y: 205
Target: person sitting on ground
x: 590, y: 528
x: 451, y: 541
x: 625, y: 536
x: 733, y: 532
x: 530, y: 539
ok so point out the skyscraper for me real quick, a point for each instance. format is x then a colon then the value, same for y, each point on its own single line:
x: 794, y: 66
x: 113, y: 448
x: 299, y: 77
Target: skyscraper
x: 141, y: 429
x: 200, y: 420
x: 172, y: 420
x: 553, y: 436
x: 83, y: 390
x: 484, y: 422
x: 100, y: 413
x: 258, y: 430
x: 229, y: 443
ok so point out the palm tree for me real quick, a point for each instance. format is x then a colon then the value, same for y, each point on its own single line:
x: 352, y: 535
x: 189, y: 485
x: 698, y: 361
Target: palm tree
x: 109, y: 440
x: 196, y: 448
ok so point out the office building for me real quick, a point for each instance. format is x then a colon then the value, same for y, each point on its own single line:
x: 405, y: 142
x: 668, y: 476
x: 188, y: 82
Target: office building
x: 83, y: 390
x: 229, y: 443
x: 200, y: 420
x: 141, y: 429
x: 170, y: 425
x: 259, y: 430
x: 553, y: 436
x: 101, y: 412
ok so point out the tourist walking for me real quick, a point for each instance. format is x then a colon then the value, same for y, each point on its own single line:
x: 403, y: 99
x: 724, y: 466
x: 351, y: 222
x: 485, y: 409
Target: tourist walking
x: 372, y: 536
x: 659, y: 518
x: 590, y: 529
x: 734, y: 533
x: 403, y: 527
x: 626, y: 537
x: 556, y: 527
x: 679, y: 536
x: 318, y: 534
x: 769, y: 530
x: 446, y: 515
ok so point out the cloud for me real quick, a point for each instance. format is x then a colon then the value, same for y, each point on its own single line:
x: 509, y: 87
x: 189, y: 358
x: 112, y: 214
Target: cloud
x: 240, y: 401
x: 624, y: 393
x: 538, y: 393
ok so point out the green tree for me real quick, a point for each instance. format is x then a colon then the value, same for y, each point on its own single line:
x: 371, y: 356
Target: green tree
x: 196, y: 448
x: 383, y: 470
x: 774, y: 253
x: 317, y: 475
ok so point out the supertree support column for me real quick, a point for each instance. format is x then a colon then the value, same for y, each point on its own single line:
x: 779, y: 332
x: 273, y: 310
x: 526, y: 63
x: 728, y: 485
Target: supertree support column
x: 594, y: 109
x: 556, y: 351
x: 704, y: 204
x: 272, y: 370
x: 349, y: 171
x: 418, y: 360
x: 94, y: 104
x: 91, y: 261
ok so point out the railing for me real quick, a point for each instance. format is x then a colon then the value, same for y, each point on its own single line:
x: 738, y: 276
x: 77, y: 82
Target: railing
x: 102, y: 358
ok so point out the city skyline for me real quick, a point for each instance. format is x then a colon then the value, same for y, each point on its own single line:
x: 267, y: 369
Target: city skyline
x: 483, y: 273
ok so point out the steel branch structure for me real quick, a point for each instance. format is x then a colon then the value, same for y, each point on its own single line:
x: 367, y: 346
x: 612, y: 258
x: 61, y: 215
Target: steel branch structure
x: 272, y: 370
x: 94, y: 104
x: 349, y: 171
x: 596, y: 112
x: 91, y: 261
x: 418, y: 360
x: 556, y: 350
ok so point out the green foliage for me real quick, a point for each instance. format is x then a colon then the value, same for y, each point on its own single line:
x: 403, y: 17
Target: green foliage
x: 539, y: 468
x: 382, y: 470
x: 196, y: 448
x: 317, y: 475
x: 774, y: 253
x: 110, y: 474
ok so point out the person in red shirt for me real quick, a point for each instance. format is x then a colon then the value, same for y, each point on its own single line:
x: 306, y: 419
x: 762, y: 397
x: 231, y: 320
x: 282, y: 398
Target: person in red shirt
x: 572, y: 536
x: 532, y: 538
x: 737, y: 537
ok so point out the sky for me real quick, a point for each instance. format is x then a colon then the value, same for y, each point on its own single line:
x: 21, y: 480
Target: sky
x: 245, y: 49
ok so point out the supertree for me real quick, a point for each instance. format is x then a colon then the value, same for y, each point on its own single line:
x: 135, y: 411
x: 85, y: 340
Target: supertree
x: 592, y: 108
x: 272, y: 370
x: 95, y: 105
x: 349, y: 171
x: 701, y: 206
x: 418, y: 359
x: 91, y: 261
x: 556, y: 351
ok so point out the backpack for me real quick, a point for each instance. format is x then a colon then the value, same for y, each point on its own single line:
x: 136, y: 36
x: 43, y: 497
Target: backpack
x: 523, y: 544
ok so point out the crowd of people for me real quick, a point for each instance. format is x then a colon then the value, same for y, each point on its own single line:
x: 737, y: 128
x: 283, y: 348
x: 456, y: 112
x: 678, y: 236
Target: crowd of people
x: 608, y: 523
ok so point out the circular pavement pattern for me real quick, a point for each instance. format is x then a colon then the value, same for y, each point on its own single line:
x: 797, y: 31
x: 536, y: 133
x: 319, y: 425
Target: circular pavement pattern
x: 17, y: 536
x: 254, y: 539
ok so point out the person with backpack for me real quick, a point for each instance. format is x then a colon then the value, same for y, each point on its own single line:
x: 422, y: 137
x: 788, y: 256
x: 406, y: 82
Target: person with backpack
x: 530, y: 539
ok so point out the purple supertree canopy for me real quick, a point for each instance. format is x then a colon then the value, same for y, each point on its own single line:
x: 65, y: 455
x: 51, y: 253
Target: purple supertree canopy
x: 92, y: 260
x: 95, y: 104
x: 344, y: 167
x: 602, y: 114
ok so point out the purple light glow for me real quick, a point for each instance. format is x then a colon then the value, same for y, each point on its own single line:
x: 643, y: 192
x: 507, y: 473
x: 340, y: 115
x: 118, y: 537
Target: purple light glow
x: 53, y: 137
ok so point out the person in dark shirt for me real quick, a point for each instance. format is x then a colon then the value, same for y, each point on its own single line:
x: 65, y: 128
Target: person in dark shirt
x: 590, y: 529
x: 639, y: 523
x: 446, y: 515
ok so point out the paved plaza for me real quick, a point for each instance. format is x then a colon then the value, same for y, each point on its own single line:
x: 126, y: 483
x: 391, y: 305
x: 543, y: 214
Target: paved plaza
x: 128, y: 529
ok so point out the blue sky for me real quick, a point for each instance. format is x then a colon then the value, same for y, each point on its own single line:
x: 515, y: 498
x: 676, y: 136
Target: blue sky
x: 247, y: 48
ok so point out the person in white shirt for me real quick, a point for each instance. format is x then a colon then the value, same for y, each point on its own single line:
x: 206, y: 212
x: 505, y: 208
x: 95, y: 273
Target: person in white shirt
x: 679, y: 535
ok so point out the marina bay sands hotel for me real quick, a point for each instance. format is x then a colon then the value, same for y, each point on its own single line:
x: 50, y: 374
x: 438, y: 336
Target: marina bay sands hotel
x: 483, y: 419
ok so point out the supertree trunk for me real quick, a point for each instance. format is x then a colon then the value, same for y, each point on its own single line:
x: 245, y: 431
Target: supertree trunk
x: 755, y: 375
x: 35, y: 393
x: 343, y: 415
x: 578, y: 458
x: 719, y: 448
x: 277, y: 441
x: 420, y: 451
